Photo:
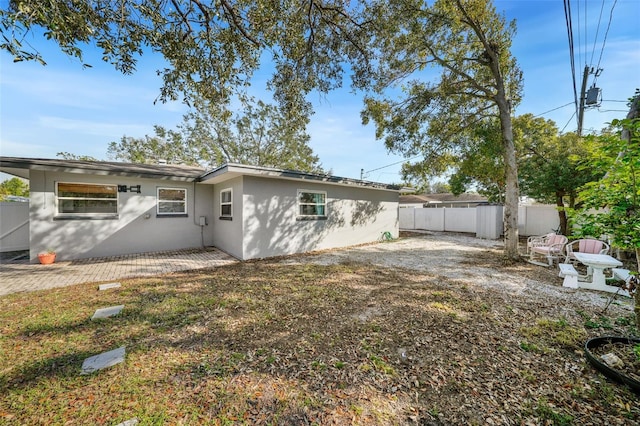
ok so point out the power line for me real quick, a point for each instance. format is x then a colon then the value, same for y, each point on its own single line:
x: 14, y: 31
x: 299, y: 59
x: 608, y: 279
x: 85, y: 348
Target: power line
x: 568, y: 23
x: 565, y: 126
x: 551, y: 110
x: 612, y: 110
x: 388, y: 165
x: 604, y: 41
x: 595, y: 39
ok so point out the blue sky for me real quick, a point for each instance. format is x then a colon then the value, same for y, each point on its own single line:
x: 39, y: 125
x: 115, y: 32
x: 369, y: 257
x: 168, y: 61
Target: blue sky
x: 63, y: 107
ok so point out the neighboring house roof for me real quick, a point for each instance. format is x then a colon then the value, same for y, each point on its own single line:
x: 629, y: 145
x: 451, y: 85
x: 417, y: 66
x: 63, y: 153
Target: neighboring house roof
x: 16, y: 198
x: 449, y: 198
x: 442, y: 198
x: 413, y: 199
x: 21, y: 166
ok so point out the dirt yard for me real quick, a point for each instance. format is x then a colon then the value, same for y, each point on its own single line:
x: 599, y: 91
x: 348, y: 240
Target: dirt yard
x: 435, y: 329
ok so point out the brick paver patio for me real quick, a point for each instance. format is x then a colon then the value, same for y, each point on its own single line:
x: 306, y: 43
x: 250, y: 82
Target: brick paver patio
x: 22, y: 276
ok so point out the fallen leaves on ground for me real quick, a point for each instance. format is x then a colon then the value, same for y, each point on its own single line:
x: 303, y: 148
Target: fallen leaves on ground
x: 268, y: 342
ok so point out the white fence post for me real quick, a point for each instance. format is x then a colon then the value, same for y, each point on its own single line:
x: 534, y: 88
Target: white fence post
x: 489, y: 222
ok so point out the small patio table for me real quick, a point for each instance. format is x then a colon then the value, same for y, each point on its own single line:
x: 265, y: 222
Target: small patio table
x: 597, y: 263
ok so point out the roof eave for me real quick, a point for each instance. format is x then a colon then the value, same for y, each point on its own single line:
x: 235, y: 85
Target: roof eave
x: 231, y: 170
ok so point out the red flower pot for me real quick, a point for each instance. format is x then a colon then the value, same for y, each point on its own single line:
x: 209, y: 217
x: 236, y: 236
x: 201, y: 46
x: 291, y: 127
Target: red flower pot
x: 47, y: 258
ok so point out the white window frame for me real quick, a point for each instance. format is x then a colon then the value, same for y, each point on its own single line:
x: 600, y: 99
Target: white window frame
x: 87, y: 215
x: 161, y: 201
x: 226, y: 203
x: 311, y: 216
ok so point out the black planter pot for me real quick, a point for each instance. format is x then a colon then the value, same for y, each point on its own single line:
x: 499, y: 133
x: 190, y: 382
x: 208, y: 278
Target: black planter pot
x: 612, y: 373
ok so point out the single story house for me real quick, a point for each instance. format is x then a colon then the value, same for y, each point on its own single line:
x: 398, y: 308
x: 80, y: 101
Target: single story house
x: 95, y: 208
x: 446, y: 200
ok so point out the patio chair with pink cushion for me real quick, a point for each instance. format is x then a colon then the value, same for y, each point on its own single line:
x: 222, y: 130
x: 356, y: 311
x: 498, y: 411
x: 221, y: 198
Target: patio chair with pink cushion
x: 585, y: 245
x: 549, y: 247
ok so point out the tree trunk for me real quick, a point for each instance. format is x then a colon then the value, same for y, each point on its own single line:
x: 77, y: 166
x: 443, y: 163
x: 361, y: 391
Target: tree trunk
x: 512, y: 195
x: 562, y: 214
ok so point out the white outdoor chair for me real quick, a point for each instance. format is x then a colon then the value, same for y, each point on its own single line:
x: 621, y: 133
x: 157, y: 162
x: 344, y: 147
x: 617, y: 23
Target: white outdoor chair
x: 585, y: 245
x: 549, y: 247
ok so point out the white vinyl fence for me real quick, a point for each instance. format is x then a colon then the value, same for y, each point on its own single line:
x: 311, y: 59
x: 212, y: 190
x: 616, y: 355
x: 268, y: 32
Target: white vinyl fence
x: 537, y: 220
x: 484, y: 221
x: 452, y: 219
x: 14, y: 226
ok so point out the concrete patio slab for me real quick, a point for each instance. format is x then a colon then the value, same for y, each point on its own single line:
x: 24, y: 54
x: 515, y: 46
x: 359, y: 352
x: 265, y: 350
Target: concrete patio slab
x: 103, y: 360
x: 107, y: 312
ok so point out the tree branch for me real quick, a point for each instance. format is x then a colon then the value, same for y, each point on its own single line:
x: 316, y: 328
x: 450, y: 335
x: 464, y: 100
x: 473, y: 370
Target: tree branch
x: 231, y: 12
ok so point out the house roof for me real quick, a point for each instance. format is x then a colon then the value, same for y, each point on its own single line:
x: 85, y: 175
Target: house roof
x: 21, y: 167
x: 229, y: 171
x: 442, y: 198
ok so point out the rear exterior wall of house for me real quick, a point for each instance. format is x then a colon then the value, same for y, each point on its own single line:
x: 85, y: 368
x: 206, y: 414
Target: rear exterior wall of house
x: 65, y: 219
x: 275, y: 223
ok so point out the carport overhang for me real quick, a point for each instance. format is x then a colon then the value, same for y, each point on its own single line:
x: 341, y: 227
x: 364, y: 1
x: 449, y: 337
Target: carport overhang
x: 21, y: 167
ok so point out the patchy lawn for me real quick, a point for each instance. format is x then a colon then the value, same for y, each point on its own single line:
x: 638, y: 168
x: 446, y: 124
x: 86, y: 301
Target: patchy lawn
x: 272, y: 343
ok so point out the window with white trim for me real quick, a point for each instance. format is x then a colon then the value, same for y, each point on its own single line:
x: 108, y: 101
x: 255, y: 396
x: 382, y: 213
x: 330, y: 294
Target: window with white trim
x: 226, y: 203
x: 312, y: 204
x: 172, y: 201
x: 86, y: 199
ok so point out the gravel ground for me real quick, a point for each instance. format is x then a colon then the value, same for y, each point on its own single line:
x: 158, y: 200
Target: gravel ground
x: 460, y: 257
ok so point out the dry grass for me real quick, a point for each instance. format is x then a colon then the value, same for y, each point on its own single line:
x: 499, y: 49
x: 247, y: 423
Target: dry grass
x: 272, y: 343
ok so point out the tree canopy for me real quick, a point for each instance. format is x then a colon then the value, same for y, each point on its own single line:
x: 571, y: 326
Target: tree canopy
x: 262, y: 135
x: 611, y: 205
x: 14, y: 186
x: 212, y: 48
x: 469, y: 43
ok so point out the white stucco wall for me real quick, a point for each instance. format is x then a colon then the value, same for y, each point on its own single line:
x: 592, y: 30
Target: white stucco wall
x: 227, y: 234
x: 137, y: 228
x: 270, y: 221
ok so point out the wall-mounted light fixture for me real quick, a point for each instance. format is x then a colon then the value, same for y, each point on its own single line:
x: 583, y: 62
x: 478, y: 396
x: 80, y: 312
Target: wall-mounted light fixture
x: 132, y: 188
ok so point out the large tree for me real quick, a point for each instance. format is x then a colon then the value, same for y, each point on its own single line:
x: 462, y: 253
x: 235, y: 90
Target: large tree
x: 260, y: 135
x: 549, y: 164
x: 469, y: 44
x: 480, y: 162
x: 551, y: 169
x: 212, y: 47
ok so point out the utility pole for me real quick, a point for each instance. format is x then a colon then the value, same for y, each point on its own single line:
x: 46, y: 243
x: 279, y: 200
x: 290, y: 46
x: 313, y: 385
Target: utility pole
x: 587, y: 99
x: 582, y: 96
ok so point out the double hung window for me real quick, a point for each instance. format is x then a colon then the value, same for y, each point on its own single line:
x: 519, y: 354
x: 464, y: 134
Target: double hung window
x: 312, y: 204
x: 172, y: 201
x: 226, y: 203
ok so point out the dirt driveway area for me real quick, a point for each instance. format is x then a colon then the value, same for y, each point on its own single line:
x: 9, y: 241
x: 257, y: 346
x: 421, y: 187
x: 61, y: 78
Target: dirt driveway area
x: 464, y: 259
